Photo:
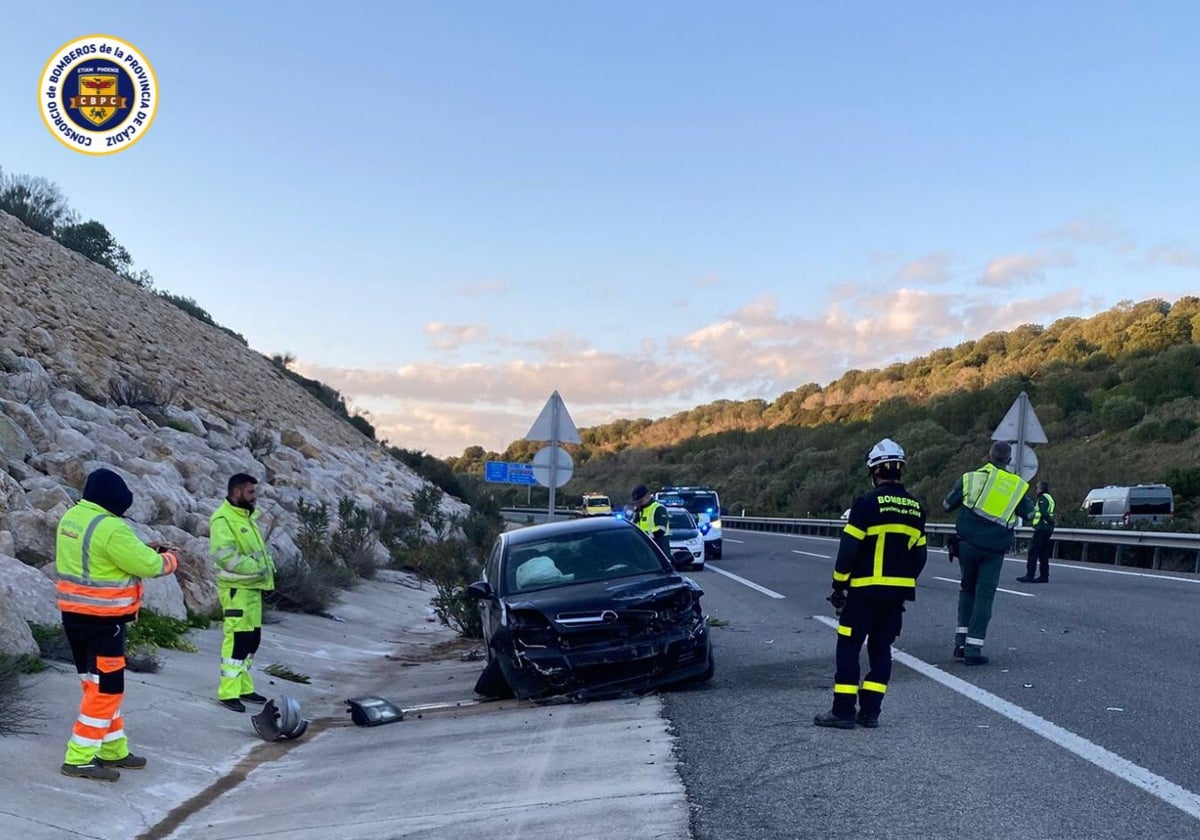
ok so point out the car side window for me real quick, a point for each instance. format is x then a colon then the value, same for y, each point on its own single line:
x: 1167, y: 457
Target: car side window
x: 491, y: 569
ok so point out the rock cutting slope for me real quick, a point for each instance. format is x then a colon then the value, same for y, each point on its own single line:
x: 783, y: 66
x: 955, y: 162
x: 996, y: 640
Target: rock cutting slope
x: 68, y: 328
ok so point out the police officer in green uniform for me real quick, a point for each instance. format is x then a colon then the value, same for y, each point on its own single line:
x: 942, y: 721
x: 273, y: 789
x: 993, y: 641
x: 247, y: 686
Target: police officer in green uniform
x: 880, y: 556
x: 988, y: 501
x: 1039, y: 546
x: 652, y: 517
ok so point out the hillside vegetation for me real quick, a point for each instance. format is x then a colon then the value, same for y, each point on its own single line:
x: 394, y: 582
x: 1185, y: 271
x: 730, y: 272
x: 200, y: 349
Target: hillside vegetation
x: 1118, y: 395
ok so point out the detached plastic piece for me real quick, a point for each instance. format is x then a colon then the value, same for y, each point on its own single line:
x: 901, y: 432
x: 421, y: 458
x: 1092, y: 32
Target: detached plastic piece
x: 282, y: 720
x: 373, y: 711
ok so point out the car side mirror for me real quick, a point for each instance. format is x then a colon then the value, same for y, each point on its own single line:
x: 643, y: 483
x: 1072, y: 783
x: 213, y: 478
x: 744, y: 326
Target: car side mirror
x: 481, y: 590
x: 681, y: 558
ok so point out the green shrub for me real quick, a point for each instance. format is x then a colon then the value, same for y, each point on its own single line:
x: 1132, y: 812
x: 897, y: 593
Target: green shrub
x: 157, y: 630
x: 1177, y: 429
x: 309, y: 585
x: 144, y: 394
x: 352, y: 541
x: 17, y: 711
x: 283, y: 672
x: 198, y: 312
x: 52, y: 642
x: 363, y: 425
x: 1147, y: 431
x: 451, y: 567
x: 260, y: 442
x: 1119, y: 412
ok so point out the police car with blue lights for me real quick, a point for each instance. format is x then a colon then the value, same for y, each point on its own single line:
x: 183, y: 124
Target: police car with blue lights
x: 704, y: 504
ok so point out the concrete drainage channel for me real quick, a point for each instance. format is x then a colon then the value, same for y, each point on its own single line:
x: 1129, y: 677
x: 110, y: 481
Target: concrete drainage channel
x: 270, y: 751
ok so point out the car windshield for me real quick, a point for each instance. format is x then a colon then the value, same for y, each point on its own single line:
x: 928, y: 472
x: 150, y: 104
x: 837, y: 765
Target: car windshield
x: 580, y: 558
x: 598, y: 501
x: 696, y: 502
x: 682, y: 521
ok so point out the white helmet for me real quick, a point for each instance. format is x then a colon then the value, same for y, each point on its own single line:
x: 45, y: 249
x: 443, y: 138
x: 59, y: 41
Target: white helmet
x: 883, y: 452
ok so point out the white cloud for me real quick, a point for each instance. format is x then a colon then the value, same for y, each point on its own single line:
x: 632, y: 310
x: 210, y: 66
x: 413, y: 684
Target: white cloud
x: 1007, y: 270
x: 931, y: 268
x: 1091, y: 231
x: 454, y: 336
x: 1178, y: 256
x: 755, y: 351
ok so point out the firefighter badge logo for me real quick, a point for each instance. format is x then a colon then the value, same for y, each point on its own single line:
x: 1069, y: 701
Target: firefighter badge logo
x: 98, y: 94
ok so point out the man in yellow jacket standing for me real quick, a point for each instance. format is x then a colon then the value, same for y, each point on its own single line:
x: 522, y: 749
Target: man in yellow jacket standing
x: 244, y: 571
x: 100, y: 563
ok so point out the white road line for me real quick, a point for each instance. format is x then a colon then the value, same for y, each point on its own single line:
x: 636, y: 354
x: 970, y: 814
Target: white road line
x: 1057, y: 565
x: 1079, y: 568
x: 739, y: 542
x: 1124, y: 769
x: 770, y: 593
x: 811, y: 554
x: 998, y: 589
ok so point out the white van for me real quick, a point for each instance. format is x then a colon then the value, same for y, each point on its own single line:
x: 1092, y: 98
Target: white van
x: 1114, y: 505
x: 704, y: 504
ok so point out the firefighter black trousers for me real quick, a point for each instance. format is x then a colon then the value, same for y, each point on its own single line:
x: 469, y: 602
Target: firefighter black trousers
x: 878, y: 624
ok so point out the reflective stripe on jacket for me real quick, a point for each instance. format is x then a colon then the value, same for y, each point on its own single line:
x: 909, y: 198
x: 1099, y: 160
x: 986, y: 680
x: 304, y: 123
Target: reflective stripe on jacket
x: 1043, y: 514
x: 238, y: 550
x: 883, y: 547
x: 100, y: 563
x: 653, y: 517
x: 993, y: 494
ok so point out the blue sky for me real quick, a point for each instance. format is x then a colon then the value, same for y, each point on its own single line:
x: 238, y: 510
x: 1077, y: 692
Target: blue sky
x: 450, y: 210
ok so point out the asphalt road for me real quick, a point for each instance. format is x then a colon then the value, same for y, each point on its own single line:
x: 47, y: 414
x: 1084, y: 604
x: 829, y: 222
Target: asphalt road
x: 1097, y: 665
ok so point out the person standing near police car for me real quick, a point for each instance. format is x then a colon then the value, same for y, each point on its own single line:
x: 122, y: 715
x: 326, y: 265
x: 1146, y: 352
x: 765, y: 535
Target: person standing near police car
x: 882, y: 552
x: 651, y: 516
x: 988, y: 501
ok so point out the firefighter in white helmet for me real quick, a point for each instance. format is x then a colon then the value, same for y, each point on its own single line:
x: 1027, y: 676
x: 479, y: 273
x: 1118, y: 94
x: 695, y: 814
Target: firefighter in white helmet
x: 881, y: 554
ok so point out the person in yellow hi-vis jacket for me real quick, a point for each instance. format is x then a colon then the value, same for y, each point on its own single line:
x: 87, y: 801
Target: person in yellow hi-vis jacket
x: 988, y: 501
x: 244, y: 571
x: 100, y: 563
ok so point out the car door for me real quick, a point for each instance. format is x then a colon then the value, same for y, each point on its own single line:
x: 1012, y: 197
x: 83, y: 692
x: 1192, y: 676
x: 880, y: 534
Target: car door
x: 489, y: 608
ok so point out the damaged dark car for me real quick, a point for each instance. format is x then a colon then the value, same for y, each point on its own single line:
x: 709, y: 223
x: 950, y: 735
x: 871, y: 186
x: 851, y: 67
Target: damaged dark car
x: 587, y: 608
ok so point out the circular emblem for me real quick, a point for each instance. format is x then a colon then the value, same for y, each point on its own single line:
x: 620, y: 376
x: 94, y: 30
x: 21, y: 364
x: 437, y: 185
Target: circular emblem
x: 98, y: 94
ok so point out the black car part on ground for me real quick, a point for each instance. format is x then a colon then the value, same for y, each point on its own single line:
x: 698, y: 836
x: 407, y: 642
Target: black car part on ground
x: 630, y: 635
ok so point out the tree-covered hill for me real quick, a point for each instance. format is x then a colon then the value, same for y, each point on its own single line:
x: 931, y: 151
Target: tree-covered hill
x: 1117, y: 393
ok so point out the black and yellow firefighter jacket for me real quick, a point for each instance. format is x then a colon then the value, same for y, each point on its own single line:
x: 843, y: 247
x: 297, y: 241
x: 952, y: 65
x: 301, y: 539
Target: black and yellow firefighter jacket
x: 883, y: 546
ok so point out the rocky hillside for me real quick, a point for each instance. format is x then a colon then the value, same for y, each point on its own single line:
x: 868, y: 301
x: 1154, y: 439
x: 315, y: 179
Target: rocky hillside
x: 77, y: 344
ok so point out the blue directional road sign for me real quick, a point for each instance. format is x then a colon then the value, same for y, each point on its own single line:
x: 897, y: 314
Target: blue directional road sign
x: 503, y: 472
x: 521, y: 474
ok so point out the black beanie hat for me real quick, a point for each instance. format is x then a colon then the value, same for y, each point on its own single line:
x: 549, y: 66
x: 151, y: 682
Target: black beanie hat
x: 108, y: 490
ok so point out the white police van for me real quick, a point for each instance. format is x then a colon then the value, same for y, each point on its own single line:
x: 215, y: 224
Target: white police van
x: 704, y: 504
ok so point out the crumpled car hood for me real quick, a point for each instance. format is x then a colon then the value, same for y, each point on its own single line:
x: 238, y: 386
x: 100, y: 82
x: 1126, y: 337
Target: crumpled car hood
x: 618, y: 594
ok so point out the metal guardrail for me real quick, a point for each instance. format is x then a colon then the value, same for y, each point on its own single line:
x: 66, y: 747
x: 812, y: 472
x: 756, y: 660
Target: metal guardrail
x: 1159, y: 550
x: 1146, y: 549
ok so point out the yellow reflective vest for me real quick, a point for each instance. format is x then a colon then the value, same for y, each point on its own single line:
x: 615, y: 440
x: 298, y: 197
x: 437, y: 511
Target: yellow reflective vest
x: 100, y: 563
x: 1043, y: 514
x: 646, y: 516
x: 238, y: 551
x: 993, y: 494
